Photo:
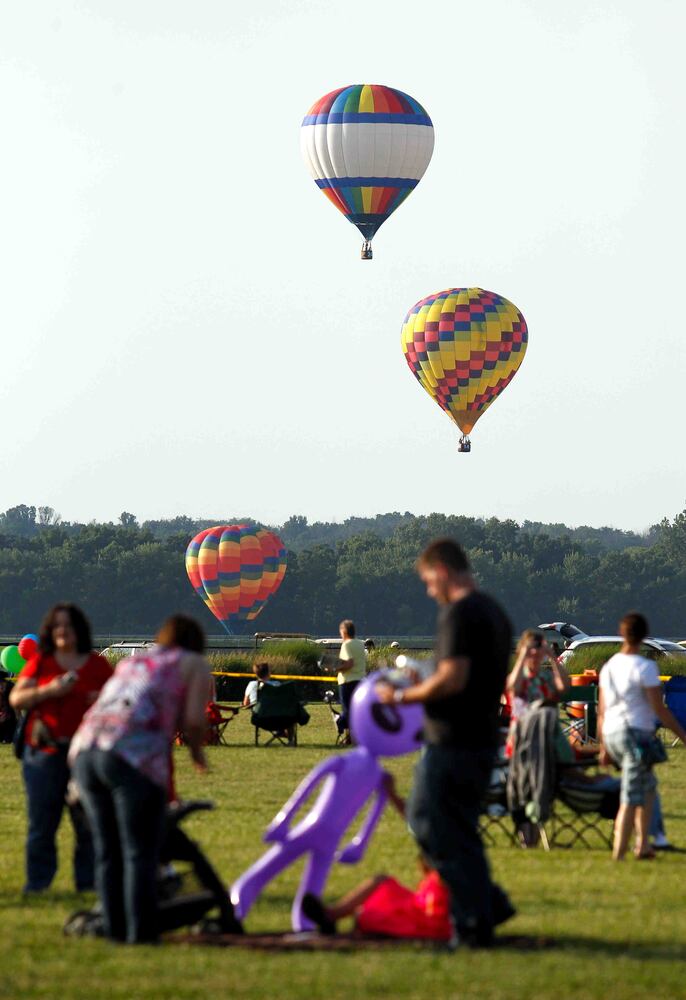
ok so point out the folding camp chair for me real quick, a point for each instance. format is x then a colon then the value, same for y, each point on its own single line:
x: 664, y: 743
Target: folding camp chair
x: 495, y: 817
x: 579, y: 714
x: 218, y: 717
x: 583, y: 813
x: 557, y: 802
x: 279, y: 711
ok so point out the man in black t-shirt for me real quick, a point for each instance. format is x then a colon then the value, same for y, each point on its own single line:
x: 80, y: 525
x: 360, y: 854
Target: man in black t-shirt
x: 460, y: 700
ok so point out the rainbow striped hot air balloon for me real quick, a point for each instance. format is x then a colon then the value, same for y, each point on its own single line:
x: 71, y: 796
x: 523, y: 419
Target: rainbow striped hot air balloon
x: 367, y: 147
x: 235, y: 569
x: 464, y: 346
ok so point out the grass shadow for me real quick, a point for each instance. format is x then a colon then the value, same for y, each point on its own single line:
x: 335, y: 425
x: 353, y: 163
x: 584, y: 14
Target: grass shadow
x: 640, y: 950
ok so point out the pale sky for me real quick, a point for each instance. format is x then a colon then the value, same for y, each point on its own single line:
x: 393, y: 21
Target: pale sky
x: 187, y: 326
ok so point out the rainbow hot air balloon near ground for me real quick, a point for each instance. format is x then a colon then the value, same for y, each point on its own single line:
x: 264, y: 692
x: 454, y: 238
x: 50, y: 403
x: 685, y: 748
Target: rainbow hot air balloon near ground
x: 235, y: 569
x: 464, y: 345
x: 367, y: 147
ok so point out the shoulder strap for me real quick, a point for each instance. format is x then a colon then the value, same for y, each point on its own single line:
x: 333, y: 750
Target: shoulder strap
x: 28, y: 711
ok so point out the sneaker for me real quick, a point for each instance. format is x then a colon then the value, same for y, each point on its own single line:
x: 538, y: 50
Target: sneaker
x: 660, y: 843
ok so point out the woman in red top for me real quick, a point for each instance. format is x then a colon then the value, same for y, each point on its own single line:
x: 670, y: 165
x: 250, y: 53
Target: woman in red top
x: 56, y: 687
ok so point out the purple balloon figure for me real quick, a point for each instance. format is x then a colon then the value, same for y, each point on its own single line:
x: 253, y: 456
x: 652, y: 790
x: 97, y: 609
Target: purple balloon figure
x: 350, y: 781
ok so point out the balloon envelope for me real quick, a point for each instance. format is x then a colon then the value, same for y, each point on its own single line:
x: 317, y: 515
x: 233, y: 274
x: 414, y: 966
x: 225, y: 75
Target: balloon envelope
x: 28, y: 646
x: 366, y: 146
x: 235, y: 569
x: 464, y: 346
x: 11, y: 659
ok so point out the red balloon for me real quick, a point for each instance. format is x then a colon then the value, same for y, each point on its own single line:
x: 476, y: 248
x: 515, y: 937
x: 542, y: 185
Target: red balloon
x: 28, y: 646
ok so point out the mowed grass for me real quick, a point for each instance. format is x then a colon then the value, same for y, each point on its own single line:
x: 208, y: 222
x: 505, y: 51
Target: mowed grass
x: 616, y: 930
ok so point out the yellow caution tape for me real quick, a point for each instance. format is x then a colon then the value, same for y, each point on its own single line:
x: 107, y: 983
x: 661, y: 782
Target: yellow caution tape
x: 301, y: 677
x: 277, y: 677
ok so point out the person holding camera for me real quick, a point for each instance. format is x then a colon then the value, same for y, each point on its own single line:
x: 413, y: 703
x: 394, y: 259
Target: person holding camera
x: 56, y: 687
x: 536, y: 677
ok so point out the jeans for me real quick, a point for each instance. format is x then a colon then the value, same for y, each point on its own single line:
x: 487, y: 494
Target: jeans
x: 657, y: 823
x: 126, y: 813
x: 443, y: 813
x: 46, y: 776
x: 345, y: 693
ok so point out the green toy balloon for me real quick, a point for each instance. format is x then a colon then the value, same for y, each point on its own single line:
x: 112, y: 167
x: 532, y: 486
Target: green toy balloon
x: 11, y: 659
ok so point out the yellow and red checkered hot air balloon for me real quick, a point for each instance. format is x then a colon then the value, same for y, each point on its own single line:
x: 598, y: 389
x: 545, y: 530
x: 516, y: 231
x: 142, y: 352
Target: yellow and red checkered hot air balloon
x: 235, y: 569
x: 464, y: 346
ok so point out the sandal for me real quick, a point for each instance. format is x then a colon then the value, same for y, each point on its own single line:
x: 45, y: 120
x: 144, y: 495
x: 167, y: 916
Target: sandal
x: 648, y: 855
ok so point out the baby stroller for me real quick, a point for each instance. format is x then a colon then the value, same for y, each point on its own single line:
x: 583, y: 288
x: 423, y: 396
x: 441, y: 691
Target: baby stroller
x: 342, y: 735
x: 190, y: 893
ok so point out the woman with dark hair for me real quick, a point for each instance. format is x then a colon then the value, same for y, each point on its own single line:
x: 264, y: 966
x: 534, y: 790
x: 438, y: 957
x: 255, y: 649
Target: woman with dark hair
x: 121, y: 756
x: 630, y: 706
x: 55, y: 687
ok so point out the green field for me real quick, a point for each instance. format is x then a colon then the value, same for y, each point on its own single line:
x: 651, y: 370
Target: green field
x: 608, y: 930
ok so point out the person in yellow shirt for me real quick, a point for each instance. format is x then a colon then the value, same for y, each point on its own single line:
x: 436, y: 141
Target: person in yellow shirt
x: 352, y: 667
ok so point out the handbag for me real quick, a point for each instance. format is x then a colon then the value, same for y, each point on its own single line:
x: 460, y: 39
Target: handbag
x: 649, y: 753
x: 19, y: 738
x: 652, y: 752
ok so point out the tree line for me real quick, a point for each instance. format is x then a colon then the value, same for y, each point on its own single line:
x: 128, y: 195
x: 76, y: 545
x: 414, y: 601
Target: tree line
x: 128, y: 576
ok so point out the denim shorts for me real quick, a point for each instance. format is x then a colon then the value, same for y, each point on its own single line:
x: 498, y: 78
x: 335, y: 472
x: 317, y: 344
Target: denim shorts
x: 637, y: 779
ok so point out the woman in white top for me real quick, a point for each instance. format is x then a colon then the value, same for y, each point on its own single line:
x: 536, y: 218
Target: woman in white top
x: 630, y: 705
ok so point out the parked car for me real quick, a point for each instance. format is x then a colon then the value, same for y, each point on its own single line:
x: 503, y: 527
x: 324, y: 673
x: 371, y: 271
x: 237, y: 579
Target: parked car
x: 672, y: 648
x: 287, y: 638
x: 336, y: 643
x: 653, y: 648
x: 558, y: 635
x: 565, y: 629
x: 123, y: 649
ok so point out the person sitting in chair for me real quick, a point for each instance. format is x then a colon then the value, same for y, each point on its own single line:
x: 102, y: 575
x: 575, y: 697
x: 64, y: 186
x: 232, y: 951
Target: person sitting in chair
x: 263, y: 675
